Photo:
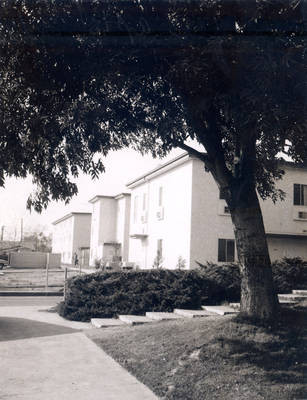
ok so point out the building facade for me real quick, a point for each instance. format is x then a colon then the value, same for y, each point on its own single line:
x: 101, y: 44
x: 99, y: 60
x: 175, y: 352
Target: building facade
x: 71, y: 238
x: 179, y: 218
x: 174, y: 217
x: 110, y: 229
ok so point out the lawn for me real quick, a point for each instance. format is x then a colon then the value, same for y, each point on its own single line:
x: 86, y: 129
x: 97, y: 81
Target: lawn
x: 215, y: 357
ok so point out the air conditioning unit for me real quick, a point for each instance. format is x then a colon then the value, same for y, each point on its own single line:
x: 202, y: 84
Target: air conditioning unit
x: 160, y: 213
x: 226, y: 210
x: 302, y: 214
x: 144, y: 218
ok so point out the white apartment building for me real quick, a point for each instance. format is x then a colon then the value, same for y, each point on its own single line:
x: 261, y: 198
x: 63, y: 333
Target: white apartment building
x: 71, y: 236
x: 175, y: 211
x: 110, y: 228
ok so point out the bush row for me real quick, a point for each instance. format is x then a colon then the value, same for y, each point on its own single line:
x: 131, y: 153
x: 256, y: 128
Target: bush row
x: 108, y: 294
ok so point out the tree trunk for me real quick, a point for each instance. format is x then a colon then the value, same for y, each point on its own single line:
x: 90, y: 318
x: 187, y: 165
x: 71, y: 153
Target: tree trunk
x: 258, y: 297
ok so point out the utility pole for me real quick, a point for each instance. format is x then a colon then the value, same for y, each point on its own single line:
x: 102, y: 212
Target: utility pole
x: 2, y: 232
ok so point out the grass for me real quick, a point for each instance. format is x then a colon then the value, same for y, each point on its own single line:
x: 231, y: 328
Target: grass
x: 215, y: 357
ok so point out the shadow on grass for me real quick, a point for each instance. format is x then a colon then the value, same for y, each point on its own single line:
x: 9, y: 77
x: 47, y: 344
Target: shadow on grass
x: 278, y: 347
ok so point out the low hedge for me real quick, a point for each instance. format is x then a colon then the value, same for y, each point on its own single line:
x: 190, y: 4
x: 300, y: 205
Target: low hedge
x: 108, y: 294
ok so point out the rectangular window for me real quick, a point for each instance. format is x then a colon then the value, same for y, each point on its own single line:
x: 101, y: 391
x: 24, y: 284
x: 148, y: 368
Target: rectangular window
x: 299, y: 194
x: 160, y: 196
x: 135, y: 209
x: 226, y: 250
x: 222, y: 194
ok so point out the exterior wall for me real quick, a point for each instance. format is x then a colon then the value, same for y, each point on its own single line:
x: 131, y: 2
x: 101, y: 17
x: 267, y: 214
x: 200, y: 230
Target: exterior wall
x: 81, y: 233
x: 287, y: 247
x: 173, y: 229
x: 208, y: 221
x: 103, y: 229
x: 62, y: 239
x: 282, y: 216
x: 123, y: 225
x: 34, y: 260
x: 70, y: 234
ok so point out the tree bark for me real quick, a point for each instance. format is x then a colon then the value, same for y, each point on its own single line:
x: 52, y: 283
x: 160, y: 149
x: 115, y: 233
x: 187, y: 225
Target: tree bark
x: 258, y: 297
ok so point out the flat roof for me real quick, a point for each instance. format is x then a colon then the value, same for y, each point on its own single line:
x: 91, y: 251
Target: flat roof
x: 160, y: 167
x: 69, y: 216
x: 102, y: 196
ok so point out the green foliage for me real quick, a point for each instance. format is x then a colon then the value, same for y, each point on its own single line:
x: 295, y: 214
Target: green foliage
x: 109, y: 294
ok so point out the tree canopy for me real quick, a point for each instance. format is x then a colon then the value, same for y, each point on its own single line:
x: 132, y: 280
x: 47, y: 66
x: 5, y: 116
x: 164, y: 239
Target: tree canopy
x: 80, y: 78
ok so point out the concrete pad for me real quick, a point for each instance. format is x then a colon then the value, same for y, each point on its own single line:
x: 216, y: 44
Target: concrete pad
x: 163, y: 316
x: 291, y: 296
x: 134, y: 319
x: 192, y: 313
x: 302, y: 292
x: 40, y: 313
x: 236, y: 306
x: 106, y: 322
x: 221, y: 310
x: 69, y: 367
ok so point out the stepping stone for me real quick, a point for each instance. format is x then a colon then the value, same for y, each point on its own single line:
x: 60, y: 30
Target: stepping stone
x: 291, y: 296
x: 134, y: 319
x: 221, y: 310
x: 162, y: 316
x: 106, y: 322
x: 301, y: 292
x: 192, y: 313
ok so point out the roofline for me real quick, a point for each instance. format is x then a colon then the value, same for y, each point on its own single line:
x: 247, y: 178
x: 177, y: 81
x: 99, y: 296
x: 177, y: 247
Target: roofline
x: 70, y: 215
x: 99, y: 196
x: 159, y: 168
x: 292, y: 164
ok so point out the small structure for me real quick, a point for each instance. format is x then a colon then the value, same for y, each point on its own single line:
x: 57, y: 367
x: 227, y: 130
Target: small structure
x: 71, y: 236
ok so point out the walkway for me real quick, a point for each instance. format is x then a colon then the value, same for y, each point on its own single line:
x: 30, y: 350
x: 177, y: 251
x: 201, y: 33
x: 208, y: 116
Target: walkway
x: 60, y: 363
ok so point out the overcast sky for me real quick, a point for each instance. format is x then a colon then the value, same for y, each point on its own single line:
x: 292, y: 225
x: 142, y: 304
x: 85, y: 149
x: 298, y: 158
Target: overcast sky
x: 121, y: 167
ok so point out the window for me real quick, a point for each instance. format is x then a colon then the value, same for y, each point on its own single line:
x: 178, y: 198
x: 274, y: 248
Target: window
x: 135, y: 209
x: 226, y: 250
x: 299, y: 195
x: 222, y: 193
x: 302, y: 214
x: 160, y: 196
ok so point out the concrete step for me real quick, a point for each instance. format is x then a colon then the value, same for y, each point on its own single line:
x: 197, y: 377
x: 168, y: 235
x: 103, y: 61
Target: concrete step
x: 106, y: 322
x: 235, y: 306
x: 221, y: 310
x: 301, y: 292
x: 291, y: 297
x: 192, y: 313
x: 162, y: 316
x: 134, y: 319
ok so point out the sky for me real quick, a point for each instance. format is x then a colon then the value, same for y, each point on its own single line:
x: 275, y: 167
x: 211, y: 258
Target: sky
x: 121, y: 167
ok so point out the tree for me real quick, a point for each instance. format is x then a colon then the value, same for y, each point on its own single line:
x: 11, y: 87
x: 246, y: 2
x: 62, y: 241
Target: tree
x: 81, y: 78
x: 41, y: 241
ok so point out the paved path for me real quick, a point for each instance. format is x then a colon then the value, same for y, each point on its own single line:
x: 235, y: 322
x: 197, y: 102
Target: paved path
x: 61, y: 363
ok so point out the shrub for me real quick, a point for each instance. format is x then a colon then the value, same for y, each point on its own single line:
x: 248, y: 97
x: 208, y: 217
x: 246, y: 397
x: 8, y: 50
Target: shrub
x: 108, y: 294
x: 289, y: 273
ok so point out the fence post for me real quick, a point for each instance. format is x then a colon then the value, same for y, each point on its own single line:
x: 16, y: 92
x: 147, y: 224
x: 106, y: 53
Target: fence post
x: 47, y: 269
x: 65, y: 282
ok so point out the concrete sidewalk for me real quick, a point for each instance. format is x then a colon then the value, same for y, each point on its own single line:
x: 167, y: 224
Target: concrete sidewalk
x: 68, y: 367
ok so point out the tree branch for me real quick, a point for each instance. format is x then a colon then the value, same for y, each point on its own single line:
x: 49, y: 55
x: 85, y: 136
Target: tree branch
x: 202, y: 156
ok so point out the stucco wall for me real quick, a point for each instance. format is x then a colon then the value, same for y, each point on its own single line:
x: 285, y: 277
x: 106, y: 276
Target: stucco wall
x: 208, y: 222
x: 62, y: 239
x: 82, y: 233
x: 123, y: 224
x: 173, y: 228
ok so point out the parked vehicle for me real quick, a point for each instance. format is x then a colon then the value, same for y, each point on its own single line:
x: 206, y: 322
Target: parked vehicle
x: 3, y: 260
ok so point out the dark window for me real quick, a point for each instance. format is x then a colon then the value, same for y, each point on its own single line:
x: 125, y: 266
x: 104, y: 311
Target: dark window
x: 223, y: 193
x: 299, y: 195
x: 226, y: 250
